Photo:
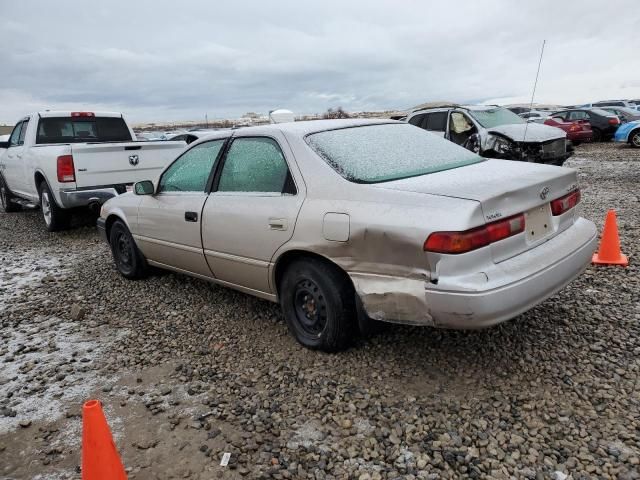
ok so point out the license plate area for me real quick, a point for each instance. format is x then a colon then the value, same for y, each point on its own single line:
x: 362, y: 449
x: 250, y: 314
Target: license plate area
x: 537, y: 223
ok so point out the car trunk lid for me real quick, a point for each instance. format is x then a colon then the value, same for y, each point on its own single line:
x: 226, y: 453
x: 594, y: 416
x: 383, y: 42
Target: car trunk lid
x: 503, y: 188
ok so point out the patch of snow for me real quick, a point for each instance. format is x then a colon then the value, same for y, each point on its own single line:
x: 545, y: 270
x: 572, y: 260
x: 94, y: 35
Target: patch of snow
x: 32, y: 357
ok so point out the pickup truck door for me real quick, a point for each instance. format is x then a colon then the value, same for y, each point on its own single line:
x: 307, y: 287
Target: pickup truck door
x: 251, y: 212
x: 13, y: 163
x: 169, y: 220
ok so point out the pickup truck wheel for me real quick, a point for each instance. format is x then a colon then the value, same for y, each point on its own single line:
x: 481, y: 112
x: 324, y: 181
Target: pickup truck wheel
x: 317, y: 300
x: 128, y: 259
x: 6, y: 198
x: 55, y: 218
x: 596, y: 136
x: 634, y: 138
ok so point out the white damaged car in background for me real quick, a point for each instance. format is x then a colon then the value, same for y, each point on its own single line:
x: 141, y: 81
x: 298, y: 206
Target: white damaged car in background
x: 495, y: 132
x: 65, y: 160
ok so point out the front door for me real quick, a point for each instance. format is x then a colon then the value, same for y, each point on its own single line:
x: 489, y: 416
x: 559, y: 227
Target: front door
x: 251, y: 212
x: 13, y: 170
x: 169, y: 221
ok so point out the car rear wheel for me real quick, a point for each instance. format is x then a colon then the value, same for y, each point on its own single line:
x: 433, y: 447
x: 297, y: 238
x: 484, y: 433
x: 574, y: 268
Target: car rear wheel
x: 128, y: 259
x: 55, y: 218
x: 318, y: 303
x: 634, y: 138
x: 6, y: 198
x: 596, y: 136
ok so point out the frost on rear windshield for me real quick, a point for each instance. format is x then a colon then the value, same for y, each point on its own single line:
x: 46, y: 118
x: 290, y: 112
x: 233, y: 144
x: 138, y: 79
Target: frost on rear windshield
x: 380, y: 153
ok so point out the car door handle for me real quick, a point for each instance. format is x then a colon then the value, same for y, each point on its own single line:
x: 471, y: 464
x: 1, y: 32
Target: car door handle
x: 19, y: 155
x: 191, y: 216
x: 278, y: 223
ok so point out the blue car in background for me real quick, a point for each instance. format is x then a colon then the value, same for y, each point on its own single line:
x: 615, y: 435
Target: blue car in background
x: 629, y: 133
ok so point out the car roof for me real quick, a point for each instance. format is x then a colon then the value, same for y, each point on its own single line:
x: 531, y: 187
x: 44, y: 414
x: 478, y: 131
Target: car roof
x: 471, y: 108
x: 300, y: 129
x: 67, y: 113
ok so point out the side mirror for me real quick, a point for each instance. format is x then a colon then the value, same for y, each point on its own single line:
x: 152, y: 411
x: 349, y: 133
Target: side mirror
x: 4, y: 144
x: 145, y: 187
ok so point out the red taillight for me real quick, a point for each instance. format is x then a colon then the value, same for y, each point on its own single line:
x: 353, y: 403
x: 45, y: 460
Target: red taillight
x: 575, y: 127
x: 562, y: 204
x: 82, y: 114
x: 461, y: 242
x: 614, y: 121
x: 66, y: 170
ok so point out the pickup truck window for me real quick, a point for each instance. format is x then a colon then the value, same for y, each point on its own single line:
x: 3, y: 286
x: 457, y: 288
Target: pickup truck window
x: 74, y: 130
x: 23, y: 132
x: 13, y: 140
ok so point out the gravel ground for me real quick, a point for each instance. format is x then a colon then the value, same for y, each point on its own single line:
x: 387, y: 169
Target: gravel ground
x: 188, y: 370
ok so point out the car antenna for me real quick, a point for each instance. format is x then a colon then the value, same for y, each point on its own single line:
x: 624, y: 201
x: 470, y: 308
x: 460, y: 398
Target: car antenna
x: 533, y: 94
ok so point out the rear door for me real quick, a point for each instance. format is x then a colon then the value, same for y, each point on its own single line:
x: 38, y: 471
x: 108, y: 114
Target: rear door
x: 169, y: 221
x: 252, y: 210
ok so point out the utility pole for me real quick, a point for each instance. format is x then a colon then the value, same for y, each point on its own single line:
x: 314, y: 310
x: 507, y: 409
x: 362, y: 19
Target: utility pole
x: 206, y: 120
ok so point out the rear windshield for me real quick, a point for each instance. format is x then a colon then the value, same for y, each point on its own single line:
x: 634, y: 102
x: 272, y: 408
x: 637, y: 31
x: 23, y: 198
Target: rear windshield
x: 495, y: 117
x: 380, y: 153
x: 604, y: 113
x: 82, y: 129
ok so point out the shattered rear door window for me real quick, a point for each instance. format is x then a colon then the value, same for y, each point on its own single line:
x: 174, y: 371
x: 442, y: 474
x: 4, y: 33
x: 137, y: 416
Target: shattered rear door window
x: 380, y: 153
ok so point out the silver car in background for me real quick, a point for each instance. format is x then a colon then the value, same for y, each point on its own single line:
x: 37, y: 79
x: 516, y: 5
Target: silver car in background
x: 345, y: 221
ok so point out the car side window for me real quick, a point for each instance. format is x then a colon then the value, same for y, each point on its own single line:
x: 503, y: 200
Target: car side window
x: 23, y: 132
x: 436, y: 122
x: 15, y: 135
x: 190, y: 172
x: 254, y: 164
x: 578, y: 116
x: 417, y: 120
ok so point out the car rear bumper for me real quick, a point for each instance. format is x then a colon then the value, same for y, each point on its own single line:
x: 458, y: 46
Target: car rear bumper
x: 584, y: 136
x: 503, y: 291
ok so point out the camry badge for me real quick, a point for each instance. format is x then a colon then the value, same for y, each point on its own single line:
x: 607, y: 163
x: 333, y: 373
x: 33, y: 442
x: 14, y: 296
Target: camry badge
x: 133, y: 160
x: 544, y: 192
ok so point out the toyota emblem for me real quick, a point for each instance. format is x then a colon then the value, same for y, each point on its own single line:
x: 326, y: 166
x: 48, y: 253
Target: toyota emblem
x: 133, y: 160
x: 544, y: 192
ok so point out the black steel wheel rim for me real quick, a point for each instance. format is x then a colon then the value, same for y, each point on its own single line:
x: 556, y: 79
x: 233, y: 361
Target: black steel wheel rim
x: 123, y: 250
x: 310, y: 307
x: 636, y: 139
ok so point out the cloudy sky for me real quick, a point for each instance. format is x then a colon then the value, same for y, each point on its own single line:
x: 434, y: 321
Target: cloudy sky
x: 157, y: 60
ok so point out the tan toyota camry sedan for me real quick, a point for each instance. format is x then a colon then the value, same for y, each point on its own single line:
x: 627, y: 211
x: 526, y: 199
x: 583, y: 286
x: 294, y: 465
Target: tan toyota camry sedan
x: 345, y: 221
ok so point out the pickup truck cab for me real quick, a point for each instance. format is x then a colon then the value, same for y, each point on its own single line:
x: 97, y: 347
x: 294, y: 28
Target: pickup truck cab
x: 64, y: 160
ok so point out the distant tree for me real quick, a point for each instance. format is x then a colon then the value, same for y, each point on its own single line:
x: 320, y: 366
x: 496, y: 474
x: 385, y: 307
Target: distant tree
x: 337, y: 113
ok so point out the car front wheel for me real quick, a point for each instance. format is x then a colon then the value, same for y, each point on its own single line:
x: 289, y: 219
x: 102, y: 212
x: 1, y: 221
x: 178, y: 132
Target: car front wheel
x: 317, y: 300
x: 128, y: 259
x: 634, y: 138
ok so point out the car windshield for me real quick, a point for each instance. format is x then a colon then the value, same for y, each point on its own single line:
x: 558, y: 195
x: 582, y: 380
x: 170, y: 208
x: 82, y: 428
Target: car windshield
x: 495, y: 117
x: 381, y: 153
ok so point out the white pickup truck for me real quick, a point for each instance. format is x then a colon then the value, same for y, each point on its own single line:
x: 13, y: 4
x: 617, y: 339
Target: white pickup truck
x: 64, y: 160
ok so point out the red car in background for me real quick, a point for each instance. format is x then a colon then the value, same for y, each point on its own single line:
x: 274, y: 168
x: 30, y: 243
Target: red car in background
x: 578, y: 131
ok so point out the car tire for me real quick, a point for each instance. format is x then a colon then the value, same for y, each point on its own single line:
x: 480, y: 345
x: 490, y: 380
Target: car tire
x: 634, y: 138
x: 596, y: 135
x: 318, y: 303
x: 576, y: 143
x: 128, y: 259
x: 55, y: 218
x: 6, y: 198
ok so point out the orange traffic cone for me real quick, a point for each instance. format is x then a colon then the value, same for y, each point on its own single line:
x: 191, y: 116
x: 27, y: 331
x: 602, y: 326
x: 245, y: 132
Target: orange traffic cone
x: 100, y: 459
x: 609, y: 252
